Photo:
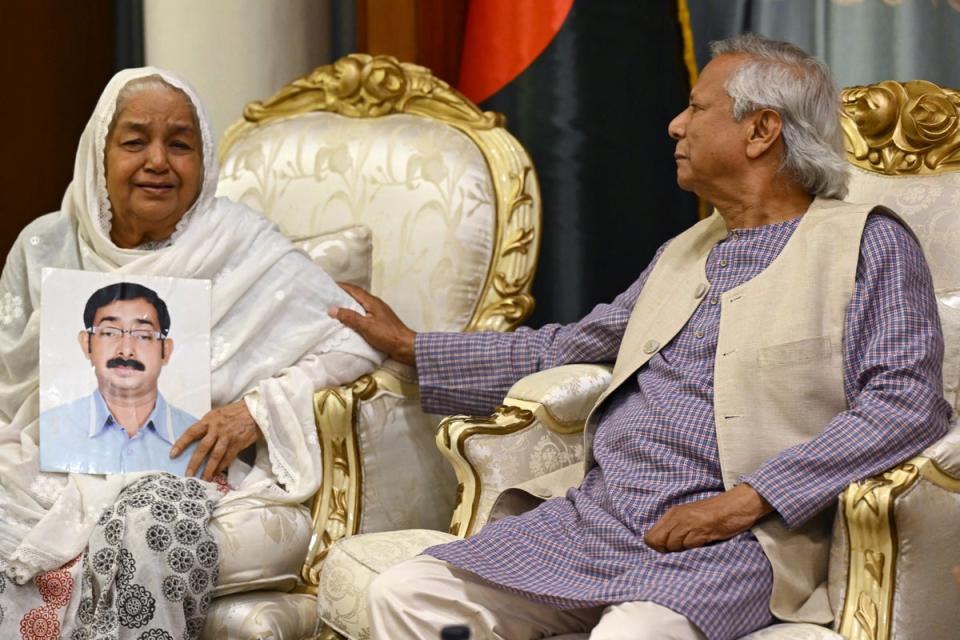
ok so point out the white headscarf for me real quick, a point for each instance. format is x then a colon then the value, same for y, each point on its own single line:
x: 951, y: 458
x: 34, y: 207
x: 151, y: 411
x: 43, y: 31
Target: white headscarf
x: 272, y: 344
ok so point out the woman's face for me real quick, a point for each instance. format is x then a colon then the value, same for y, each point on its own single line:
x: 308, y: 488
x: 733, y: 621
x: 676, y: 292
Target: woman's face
x: 154, y: 165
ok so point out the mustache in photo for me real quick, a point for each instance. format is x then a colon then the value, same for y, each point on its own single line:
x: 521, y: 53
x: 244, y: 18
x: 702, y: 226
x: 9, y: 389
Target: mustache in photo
x: 113, y: 363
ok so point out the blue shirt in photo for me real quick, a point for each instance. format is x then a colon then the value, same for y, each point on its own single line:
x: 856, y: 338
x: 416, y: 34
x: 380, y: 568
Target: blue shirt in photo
x: 83, y: 437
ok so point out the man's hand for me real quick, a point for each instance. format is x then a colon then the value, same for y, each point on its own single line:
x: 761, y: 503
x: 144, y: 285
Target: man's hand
x: 223, y: 433
x: 695, y: 524
x: 381, y: 327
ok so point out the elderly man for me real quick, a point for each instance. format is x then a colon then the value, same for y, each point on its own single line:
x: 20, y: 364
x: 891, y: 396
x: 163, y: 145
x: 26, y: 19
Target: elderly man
x: 768, y: 356
x: 126, y: 424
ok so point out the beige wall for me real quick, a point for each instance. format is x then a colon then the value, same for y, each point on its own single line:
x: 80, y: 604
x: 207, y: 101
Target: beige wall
x: 234, y: 51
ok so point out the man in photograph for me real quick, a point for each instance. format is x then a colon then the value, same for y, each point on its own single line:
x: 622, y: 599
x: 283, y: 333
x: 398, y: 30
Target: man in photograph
x: 126, y: 424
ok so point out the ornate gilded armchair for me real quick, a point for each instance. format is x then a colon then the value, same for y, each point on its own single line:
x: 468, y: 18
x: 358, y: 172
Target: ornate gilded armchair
x: 390, y: 179
x: 896, y: 536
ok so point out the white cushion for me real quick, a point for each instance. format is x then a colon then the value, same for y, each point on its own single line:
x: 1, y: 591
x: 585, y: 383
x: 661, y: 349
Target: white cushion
x: 946, y: 451
x: 261, y: 547
x: 345, y: 254
x: 422, y: 186
x: 262, y: 615
x: 927, y: 601
x: 407, y: 483
x: 567, y: 393
x: 792, y: 631
x: 353, y: 563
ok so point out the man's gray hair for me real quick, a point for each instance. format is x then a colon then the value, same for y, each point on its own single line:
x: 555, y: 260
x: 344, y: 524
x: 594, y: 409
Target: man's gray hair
x: 785, y: 78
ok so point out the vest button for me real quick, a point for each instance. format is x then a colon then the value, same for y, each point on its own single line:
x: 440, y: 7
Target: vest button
x: 651, y: 346
x: 701, y: 289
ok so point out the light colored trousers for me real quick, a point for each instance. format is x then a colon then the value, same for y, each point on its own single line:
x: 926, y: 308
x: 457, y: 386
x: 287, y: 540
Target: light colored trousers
x: 415, y: 599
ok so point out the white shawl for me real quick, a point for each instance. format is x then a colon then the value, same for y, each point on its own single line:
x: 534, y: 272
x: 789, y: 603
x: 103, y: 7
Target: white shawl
x: 272, y: 344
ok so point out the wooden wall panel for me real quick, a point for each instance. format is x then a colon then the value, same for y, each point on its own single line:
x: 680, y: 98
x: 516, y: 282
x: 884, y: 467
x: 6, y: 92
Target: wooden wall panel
x: 427, y: 32
x: 55, y: 58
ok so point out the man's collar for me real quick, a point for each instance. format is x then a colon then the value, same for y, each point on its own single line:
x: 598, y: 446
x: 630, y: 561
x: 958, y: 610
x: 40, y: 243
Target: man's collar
x: 158, y: 419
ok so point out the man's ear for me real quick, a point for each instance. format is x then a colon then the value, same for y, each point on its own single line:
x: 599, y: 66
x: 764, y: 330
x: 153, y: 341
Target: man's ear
x: 765, y: 129
x: 84, y: 339
x: 167, y: 349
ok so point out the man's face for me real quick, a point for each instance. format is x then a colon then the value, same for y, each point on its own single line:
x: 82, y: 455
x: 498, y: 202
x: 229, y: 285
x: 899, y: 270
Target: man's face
x: 126, y: 355
x: 710, y: 145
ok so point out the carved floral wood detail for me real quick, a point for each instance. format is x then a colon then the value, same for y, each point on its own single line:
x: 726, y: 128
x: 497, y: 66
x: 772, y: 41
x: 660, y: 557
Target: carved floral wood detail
x: 452, y: 435
x: 335, y: 507
x: 361, y: 85
x: 902, y: 128
x: 867, y: 507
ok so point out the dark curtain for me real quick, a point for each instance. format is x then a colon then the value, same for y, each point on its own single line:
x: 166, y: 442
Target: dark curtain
x: 127, y: 34
x: 593, y: 110
x: 343, y: 28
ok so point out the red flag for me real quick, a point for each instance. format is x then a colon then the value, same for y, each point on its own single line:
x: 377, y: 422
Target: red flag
x: 502, y: 38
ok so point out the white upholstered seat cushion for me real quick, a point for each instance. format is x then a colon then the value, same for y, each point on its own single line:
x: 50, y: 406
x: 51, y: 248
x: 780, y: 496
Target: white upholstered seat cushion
x: 351, y: 566
x: 422, y: 186
x: 262, y: 615
x: 791, y: 631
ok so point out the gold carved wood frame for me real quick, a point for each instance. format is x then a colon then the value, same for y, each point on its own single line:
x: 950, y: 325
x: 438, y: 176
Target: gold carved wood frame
x: 869, y: 511
x: 898, y: 128
x: 452, y: 437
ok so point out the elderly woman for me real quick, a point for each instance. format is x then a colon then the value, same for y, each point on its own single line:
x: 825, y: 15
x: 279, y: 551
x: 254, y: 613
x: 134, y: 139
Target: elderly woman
x: 137, y: 555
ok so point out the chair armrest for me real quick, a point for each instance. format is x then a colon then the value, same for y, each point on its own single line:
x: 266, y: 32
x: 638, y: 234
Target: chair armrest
x: 896, y: 534
x: 538, y: 429
x: 371, y: 432
x: 561, y: 397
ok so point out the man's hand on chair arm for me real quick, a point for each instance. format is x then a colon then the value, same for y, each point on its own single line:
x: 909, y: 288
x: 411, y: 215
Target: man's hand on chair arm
x: 698, y: 523
x: 380, y: 327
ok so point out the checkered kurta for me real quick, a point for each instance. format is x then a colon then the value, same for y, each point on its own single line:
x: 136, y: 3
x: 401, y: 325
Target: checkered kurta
x: 656, y: 446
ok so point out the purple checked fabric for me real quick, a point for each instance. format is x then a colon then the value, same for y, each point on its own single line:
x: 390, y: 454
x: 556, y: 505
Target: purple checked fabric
x: 656, y: 446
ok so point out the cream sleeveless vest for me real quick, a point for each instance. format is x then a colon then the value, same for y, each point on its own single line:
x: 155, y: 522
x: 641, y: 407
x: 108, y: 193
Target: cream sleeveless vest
x: 778, y: 375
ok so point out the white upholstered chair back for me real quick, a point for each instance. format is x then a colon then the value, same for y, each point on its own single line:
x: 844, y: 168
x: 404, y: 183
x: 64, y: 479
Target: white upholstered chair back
x: 903, y: 140
x: 450, y: 196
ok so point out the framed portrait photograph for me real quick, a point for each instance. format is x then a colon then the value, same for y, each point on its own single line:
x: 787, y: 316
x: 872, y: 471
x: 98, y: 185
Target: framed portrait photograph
x: 124, y: 370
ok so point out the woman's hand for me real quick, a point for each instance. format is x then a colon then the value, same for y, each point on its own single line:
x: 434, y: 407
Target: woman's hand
x: 223, y: 433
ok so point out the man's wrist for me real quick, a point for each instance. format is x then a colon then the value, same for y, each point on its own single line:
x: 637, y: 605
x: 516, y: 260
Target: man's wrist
x: 407, y: 351
x: 752, y: 502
